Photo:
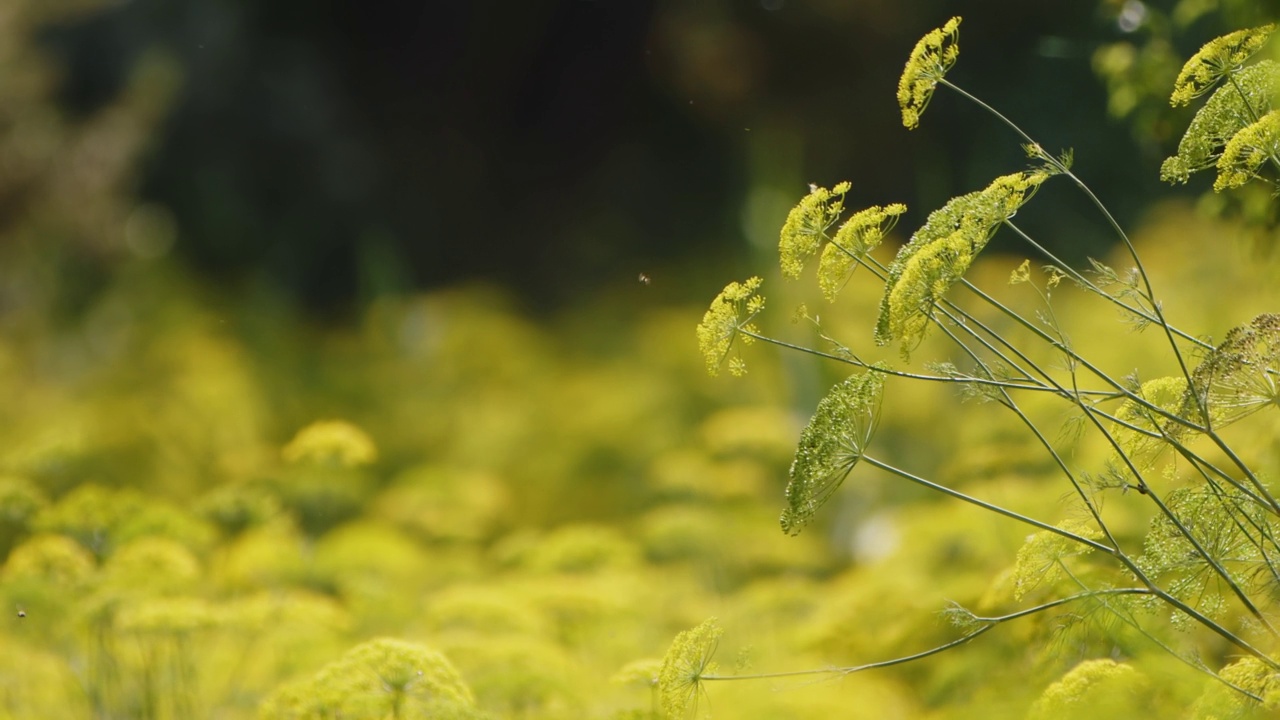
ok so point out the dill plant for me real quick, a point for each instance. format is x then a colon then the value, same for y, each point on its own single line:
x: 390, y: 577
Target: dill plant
x: 1209, y: 559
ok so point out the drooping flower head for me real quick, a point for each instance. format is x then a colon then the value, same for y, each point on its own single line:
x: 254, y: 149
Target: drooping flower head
x: 806, y: 227
x: 725, y: 322
x: 1247, y: 150
x: 930, y: 60
x: 1215, y: 60
x: 683, y: 667
x: 1241, y: 375
x: 859, y: 235
x: 1229, y: 110
x: 939, y: 253
x: 831, y: 445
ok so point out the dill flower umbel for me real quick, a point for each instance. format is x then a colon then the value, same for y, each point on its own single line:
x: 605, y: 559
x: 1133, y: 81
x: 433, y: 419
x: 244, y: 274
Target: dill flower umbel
x: 1247, y: 150
x: 333, y: 442
x: 683, y: 667
x: 724, y: 322
x: 859, y: 235
x: 806, y: 226
x: 1094, y: 688
x: 1040, y: 559
x: 1166, y: 393
x: 939, y: 254
x: 930, y: 60
x: 1229, y: 110
x: 1216, y: 60
x: 832, y: 443
x: 1239, y: 377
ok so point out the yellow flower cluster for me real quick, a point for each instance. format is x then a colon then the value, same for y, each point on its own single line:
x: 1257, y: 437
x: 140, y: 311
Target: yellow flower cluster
x: 1247, y: 150
x: 806, y: 226
x: 683, y: 667
x: 930, y: 60
x: 939, y: 253
x: 859, y: 235
x: 1040, y: 559
x: 1228, y: 111
x: 1215, y: 60
x: 831, y: 445
x: 334, y: 442
x: 1094, y: 688
x: 724, y: 322
x: 1167, y: 393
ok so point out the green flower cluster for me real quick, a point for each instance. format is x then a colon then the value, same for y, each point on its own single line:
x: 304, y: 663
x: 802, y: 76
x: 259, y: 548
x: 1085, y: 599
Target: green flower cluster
x: 683, y: 667
x: 831, y: 445
x: 1239, y: 377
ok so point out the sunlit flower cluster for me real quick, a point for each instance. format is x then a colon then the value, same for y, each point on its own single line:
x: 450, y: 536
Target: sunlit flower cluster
x: 805, y: 229
x: 728, y: 318
x: 929, y: 62
x: 940, y: 252
x: 1040, y: 560
x: 1216, y: 60
x: 859, y: 235
x: 1247, y: 151
x: 1228, y: 110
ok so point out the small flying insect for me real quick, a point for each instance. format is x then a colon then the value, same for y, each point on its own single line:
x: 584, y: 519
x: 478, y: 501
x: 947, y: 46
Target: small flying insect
x: 645, y: 279
x: 22, y: 612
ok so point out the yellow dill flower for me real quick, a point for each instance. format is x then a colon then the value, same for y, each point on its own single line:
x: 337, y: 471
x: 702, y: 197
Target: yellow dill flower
x: 683, y: 667
x: 939, y: 253
x: 831, y: 445
x: 331, y: 442
x: 859, y: 235
x: 1239, y: 377
x: 806, y: 226
x: 1094, y: 688
x: 1247, y: 150
x: 1229, y: 110
x: 1040, y: 559
x: 724, y: 322
x: 1249, y: 674
x: 1215, y: 60
x: 1167, y: 393
x: 930, y: 60
x: 379, y: 678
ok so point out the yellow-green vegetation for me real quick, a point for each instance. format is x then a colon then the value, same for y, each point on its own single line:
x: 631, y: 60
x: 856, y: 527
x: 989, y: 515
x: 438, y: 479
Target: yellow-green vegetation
x: 1167, y: 553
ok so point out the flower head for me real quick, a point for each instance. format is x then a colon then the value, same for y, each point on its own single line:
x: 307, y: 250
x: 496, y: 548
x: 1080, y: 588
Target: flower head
x: 807, y: 224
x: 1094, y: 688
x: 683, y: 667
x: 831, y: 444
x: 1166, y: 393
x: 724, y: 322
x: 1229, y: 110
x: 1215, y: 60
x: 859, y: 235
x: 331, y: 442
x: 1241, y: 375
x: 1247, y: 150
x: 939, y: 253
x: 1040, y: 559
x: 930, y: 60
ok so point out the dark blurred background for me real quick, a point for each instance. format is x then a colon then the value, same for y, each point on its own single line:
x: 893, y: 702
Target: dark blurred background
x: 334, y: 150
